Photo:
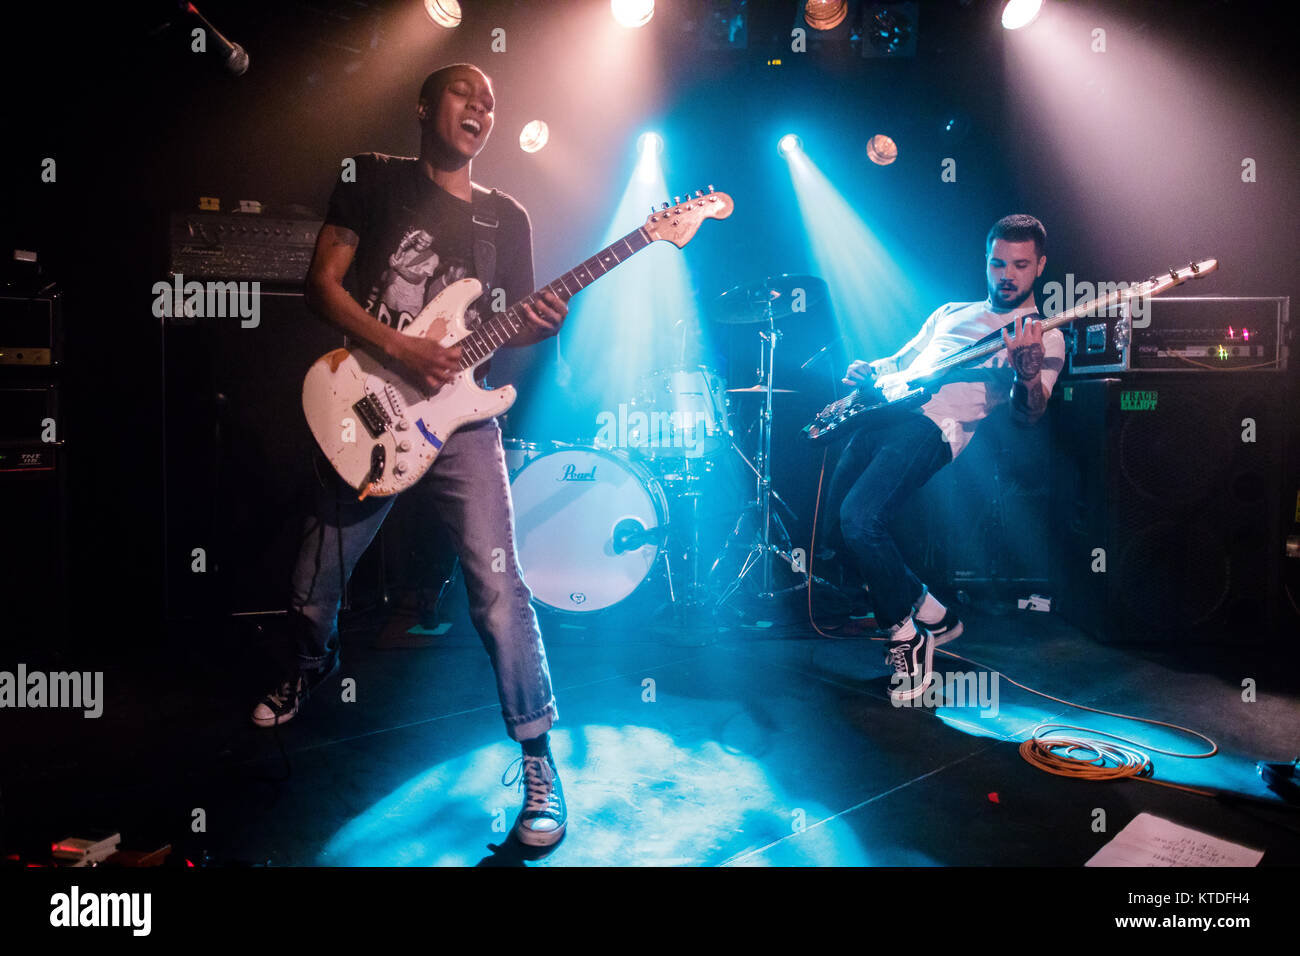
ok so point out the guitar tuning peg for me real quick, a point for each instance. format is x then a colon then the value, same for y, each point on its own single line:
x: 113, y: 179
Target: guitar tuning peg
x: 710, y: 187
x: 666, y: 205
x: 677, y: 200
x: 699, y: 193
x: 653, y: 208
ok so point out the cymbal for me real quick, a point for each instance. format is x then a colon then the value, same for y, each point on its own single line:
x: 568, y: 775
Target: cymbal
x: 746, y: 304
x: 760, y: 390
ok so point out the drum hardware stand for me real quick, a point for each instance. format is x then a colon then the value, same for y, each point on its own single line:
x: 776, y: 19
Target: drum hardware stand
x: 692, y: 604
x: 699, y: 595
x: 757, y: 474
x: 668, y: 574
x: 740, y: 308
x: 761, y: 550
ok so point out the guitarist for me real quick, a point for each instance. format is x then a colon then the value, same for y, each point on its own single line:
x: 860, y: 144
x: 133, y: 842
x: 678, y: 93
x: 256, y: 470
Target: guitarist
x: 404, y: 228
x: 879, y: 469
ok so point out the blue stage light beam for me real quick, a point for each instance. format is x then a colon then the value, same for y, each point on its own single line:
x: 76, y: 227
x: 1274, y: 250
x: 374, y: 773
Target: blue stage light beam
x: 641, y: 317
x: 712, y: 804
x: 877, y: 306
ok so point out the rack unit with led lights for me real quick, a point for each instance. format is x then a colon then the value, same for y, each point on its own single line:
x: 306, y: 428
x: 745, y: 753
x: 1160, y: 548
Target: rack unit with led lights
x: 1186, y: 333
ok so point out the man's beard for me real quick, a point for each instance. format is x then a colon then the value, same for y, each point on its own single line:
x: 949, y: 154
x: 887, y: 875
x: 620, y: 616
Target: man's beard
x: 1008, y: 306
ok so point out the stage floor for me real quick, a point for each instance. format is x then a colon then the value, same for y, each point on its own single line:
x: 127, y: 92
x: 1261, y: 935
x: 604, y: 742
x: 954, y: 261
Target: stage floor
x: 762, y: 747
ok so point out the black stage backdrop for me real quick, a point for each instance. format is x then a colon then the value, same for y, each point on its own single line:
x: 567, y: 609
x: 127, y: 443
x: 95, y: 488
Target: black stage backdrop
x: 138, y: 124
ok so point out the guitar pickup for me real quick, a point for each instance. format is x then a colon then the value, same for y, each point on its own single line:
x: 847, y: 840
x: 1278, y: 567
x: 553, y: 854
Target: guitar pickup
x: 372, y: 415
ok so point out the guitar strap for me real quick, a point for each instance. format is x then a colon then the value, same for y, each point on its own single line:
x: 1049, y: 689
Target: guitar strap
x: 484, y: 210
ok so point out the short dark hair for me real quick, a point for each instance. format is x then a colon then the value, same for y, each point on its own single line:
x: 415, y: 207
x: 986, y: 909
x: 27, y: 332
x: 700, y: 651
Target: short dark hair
x: 1018, y: 228
x: 436, y: 81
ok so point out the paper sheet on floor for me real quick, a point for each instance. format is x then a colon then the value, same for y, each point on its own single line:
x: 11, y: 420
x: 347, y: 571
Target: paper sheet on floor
x: 1149, y: 840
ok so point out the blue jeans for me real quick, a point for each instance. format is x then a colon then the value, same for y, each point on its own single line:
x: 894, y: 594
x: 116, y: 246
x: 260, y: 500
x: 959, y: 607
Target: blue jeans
x: 876, y: 473
x: 469, y: 487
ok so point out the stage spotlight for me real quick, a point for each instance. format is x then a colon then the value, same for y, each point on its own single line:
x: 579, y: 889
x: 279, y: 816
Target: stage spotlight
x: 825, y: 14
x: 789, y: 143
x: 652, y: 142
x: 1020, y: 13
x: 649, y: 147
x: 882, y: 150
x: 445, y: 13
x: 869, y: 278
x: 534, y: 136
x: 632, y: 13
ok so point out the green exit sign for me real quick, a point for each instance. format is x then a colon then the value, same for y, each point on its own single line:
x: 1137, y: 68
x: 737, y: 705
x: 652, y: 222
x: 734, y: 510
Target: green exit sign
x: 1137, y: 401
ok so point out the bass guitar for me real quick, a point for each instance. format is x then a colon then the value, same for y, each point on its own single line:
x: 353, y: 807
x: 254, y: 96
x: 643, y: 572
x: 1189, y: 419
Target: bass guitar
x: 900, y: 393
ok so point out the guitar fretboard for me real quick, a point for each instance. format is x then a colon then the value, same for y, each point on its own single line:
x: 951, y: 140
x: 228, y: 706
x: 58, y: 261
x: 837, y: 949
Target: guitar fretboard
x: 500, y: 327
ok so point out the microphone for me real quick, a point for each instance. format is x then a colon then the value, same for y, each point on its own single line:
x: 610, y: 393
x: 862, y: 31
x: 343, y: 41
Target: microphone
x: 632, y: 535
x: 234, y: 56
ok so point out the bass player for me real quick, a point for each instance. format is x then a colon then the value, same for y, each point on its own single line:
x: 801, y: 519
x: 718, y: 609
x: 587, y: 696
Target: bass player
x: 881, y: 468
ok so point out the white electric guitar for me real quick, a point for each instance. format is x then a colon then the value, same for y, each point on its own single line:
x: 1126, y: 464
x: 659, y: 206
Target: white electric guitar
x: 382, y: 432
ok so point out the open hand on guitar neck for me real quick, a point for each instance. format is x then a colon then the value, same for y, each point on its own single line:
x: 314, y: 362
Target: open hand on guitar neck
x: 1025, y: 348
x: 545, y: 319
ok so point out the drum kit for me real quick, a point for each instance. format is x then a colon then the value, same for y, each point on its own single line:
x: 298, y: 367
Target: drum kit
x: 593, y: 521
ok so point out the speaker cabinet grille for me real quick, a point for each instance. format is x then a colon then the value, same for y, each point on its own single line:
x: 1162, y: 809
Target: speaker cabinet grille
x: 1170, y: 487
x: 238, y: 455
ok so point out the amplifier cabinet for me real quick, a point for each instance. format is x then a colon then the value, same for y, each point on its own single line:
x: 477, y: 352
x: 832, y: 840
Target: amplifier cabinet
x: 238, y: 455
x: 1168, y: 513
x: 33, y: 515
x: 31, y: 331
x: 250, y: 246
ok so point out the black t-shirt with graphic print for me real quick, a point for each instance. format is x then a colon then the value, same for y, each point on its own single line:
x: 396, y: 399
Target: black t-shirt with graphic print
x: 416, y: 239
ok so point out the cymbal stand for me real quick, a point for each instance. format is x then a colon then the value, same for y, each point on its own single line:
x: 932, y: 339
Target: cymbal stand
x: 760, y: 552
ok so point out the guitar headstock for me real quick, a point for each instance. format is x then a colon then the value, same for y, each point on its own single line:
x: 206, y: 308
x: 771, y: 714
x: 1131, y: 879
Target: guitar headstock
x: 677, y: 222
x: 1161, y: 283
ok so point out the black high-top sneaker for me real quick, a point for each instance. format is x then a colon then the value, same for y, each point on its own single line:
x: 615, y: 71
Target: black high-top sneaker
x: 948, y: 629
x: 913, y: 662
x: 282, y: 704
x: 543, y: 817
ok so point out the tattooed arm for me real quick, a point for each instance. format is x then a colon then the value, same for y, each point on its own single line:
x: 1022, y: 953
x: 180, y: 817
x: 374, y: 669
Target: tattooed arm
x: 1025, y: 354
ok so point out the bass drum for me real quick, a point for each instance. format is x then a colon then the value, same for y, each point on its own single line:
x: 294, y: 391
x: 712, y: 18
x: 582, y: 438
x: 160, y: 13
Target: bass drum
x: 518, y: 453
x: 589, y: 526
